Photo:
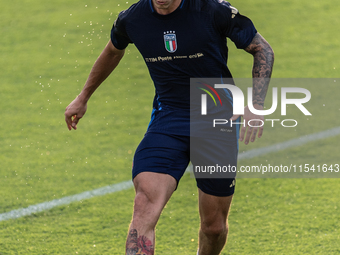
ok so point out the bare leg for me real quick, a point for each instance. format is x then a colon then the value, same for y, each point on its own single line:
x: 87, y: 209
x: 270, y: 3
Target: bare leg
x: 153, y: 190
x: 214, y: 223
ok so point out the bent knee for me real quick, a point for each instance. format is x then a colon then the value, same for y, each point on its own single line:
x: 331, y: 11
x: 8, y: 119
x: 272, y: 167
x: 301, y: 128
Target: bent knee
x: 143, y: 202
x: 147, y: 204
x: 214, y: 228
x: 145, y: 212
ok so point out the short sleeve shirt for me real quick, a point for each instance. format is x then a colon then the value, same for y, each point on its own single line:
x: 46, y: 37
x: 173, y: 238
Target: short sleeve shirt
x: 187, y: 43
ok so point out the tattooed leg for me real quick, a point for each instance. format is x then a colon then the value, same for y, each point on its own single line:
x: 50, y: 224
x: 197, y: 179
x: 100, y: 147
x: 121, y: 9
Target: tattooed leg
x: 131, y: 242
x: 153, y: 191
x: 138, y: 245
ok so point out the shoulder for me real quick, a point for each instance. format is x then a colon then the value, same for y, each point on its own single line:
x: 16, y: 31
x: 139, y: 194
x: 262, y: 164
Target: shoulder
x: 215, y: 6
x: 221, y: 13
x: 135, y: 10
x: 222, y: 8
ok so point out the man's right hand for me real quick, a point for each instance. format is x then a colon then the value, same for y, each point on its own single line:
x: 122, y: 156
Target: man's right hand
x: 104, y: 65
x: 74, y: 112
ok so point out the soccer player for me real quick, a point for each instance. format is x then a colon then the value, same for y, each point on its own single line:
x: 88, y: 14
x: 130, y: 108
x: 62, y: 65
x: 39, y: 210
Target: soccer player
x: 179, y: 39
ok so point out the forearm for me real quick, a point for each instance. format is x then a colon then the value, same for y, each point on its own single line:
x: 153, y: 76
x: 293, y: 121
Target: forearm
x: 102, y: 68
x: 262, y: 68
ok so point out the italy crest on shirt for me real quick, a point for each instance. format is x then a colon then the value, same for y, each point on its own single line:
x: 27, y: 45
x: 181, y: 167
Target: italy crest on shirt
x: 170, y: 41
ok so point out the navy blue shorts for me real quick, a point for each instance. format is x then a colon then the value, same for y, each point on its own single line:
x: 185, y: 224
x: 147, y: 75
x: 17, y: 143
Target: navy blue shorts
x: 170, y: 154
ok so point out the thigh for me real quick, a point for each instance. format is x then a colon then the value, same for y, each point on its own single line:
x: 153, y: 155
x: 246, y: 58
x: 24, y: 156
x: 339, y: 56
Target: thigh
x: 214, y: 165
x: 162, y: 153
x: 217, y: 187
x: 153, y: 190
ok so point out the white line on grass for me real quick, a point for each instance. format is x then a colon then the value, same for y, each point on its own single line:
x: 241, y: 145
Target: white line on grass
x: 65, y: 201
x: 18, y: 213
x: 291, y: 143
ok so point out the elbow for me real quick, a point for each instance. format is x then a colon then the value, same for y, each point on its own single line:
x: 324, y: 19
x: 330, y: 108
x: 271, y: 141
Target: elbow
x: 271, y: 53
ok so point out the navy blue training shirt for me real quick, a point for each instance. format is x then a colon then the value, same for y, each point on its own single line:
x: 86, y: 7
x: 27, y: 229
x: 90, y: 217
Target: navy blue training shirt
x: 187, y: 43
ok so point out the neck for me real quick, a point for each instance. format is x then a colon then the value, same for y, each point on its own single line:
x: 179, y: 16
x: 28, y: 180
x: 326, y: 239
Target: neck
x: 165, y: 7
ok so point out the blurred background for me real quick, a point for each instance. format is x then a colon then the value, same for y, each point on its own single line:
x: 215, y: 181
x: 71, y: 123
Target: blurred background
x: 47, y: 49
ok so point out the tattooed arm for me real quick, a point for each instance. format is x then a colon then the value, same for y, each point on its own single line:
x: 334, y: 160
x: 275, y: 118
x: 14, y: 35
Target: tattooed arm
x: 262, y: 71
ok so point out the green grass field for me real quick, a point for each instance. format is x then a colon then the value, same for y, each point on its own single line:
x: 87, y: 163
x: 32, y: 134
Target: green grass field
x: 47, y: 50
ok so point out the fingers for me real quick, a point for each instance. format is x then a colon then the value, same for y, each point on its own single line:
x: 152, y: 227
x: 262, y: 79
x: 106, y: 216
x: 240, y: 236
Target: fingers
x: 72, y: 121
x: 253, y: 136
x: 252, y: 125
x: 68, y: 120
x: 248, y: 133
x: 75, y: 122
x: 260, y: 132
x: 74, y: 112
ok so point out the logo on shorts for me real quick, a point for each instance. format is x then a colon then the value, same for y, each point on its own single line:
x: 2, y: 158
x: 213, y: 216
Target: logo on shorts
x: 170, y: 41
x: 204, y: 98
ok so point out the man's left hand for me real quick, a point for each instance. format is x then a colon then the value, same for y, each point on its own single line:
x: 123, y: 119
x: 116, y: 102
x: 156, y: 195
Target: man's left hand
x: 255, y: 122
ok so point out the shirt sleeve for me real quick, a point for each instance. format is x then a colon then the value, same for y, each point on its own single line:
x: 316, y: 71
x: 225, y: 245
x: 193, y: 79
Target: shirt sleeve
x: 233, y: 25
x: 119, y: 36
